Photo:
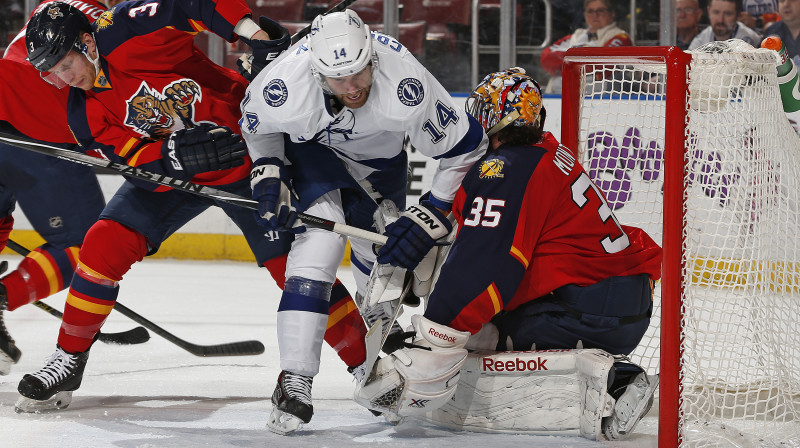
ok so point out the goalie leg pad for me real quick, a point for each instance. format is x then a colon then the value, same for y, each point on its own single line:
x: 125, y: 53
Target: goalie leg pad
x: 560, y: 392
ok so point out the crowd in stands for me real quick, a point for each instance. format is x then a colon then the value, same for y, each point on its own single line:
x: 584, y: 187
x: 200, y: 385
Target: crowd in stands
x: 594, y: 23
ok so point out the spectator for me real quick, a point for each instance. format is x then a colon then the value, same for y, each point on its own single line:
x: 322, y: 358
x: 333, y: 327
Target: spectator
x: 687, y: 19
x: 759, y: 14
x: 788, y: 28
x: 722, y: 16
x: 600, y: 31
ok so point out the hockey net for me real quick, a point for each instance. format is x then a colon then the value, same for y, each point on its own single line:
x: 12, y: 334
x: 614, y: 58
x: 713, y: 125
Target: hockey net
x: 694, y: 148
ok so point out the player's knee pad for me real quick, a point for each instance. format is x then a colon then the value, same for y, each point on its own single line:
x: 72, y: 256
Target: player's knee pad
x: 549, y: 392
x: 110, y: 249
x: 413, y: 381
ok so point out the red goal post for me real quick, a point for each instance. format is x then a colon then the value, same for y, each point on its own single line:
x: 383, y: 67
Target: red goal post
x: 708, y: 130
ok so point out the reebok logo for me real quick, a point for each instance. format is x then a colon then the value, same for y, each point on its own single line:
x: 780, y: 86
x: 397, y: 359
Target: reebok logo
x: 442, y: 336
x: 517, y: 365
x: 423, y: 216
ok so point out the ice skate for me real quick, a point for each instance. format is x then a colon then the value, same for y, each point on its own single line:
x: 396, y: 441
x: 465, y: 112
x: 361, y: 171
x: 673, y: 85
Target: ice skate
x: 9, y: 353
x: 631, y: 406
x: 51, y: 387
x: 291, y: 402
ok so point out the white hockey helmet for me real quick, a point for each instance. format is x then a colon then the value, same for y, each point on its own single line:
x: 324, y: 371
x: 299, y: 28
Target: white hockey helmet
x: 340, y: 45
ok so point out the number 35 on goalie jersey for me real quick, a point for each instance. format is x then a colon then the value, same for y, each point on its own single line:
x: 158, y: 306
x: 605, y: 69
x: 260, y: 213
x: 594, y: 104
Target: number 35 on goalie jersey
x: 530, y: 221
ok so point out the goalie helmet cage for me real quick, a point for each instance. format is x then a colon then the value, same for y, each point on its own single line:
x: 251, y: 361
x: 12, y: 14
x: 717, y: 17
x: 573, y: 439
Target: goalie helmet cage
x: 694, y: 148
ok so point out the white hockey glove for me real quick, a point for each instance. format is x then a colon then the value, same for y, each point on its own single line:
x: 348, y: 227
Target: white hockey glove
x: 264, y: 51
x: 269, y: 182
x: 413, y: 235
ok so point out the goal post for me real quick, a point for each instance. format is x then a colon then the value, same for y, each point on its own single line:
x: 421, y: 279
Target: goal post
x: 695, y: 149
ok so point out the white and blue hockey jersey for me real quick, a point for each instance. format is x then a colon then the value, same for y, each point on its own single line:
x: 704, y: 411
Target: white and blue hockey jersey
x: 405, y: 99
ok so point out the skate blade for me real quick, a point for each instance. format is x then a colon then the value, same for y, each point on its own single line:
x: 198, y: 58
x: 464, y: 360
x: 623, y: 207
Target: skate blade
x: 58, y: 401
x: 283, y: 423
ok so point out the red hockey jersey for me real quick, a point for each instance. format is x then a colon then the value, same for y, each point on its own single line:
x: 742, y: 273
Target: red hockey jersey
x: 29, y: 103
x: 153, y: 80
x: 530, y: 221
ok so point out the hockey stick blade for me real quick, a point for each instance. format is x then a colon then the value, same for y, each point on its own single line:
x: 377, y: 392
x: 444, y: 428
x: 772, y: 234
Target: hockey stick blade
x: 182, y: 185
x: 241, y: 348
x: 341, y: 6
x: 137, y: 335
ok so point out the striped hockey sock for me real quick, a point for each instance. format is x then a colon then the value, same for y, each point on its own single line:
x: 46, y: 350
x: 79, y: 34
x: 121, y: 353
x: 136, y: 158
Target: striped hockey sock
x: 44, y: 272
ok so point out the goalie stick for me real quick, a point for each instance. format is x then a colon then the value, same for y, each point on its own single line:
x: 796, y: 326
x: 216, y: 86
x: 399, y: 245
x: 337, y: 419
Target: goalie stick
x: 138, y: 335
x: 182, y: 185
x: 240, y: 348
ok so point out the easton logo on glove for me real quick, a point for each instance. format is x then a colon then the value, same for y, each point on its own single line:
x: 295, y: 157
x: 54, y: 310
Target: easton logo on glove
x: 422, y: 215
x: 173, y: 157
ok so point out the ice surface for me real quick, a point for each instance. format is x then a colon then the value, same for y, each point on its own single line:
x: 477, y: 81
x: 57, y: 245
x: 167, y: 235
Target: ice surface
x: 157, y: 395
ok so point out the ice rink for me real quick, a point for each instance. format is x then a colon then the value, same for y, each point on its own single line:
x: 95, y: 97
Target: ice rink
x: 158, y: 395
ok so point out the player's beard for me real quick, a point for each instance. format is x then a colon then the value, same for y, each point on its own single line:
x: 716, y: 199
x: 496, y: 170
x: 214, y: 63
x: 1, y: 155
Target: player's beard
x: 356, y: 99
x: 723, y: 29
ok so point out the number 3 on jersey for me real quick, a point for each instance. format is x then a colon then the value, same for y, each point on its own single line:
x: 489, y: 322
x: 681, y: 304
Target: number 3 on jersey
x: 580, y: 188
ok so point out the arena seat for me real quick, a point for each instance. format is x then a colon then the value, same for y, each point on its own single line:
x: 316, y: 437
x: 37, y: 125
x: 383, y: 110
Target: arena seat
x: 411, y: 34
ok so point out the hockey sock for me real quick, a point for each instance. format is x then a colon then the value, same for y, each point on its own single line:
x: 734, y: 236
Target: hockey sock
x: 89, y: 302
x: 277, y: 269
x: 108, y: 252
x: 346, y: 330
x: 43, y: 272
x: 6, y: 225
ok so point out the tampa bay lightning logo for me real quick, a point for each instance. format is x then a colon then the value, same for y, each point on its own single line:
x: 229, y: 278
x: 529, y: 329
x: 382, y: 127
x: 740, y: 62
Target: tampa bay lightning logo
x: 410, y: 92
x: 275, y: 93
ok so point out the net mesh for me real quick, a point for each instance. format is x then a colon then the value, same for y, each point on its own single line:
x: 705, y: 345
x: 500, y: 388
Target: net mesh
x: 740, y: 367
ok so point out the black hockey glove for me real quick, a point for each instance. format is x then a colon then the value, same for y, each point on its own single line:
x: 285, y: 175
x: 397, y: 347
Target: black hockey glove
x: 206, y: 147
x: 413, y: 235
x: 264, y: 51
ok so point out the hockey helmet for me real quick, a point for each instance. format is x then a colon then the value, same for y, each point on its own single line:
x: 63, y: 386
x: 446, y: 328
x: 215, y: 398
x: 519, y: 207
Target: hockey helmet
x: 340, y: 45
x: 504, y: 98
x: 52, y: 32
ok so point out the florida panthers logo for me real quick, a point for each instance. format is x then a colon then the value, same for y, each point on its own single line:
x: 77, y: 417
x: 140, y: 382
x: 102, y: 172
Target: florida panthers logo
x: 105, y: 20
x: 491, y: 169
x: 156, y: 115
x: 54, y: 12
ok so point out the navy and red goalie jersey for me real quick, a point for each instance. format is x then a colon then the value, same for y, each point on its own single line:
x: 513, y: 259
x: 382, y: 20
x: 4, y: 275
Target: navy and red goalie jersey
x: 29, y: 103
x: 530, y: 221
x: 153, y: 80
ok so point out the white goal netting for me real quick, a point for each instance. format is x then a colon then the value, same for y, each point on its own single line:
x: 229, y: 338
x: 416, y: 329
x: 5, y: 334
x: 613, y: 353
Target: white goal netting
x: 740, y: 287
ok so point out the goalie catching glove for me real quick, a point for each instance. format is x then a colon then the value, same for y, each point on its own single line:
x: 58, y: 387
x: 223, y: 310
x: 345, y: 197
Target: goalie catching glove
x: 413, y: 235
x: 264, y: 51
x: 206, y: 147
x: 270, y: 184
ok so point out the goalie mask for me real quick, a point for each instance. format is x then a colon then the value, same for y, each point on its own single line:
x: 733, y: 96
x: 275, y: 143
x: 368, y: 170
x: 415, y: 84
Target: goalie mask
x: 340, y: 45
x: 510, y: 97
x: 52, y: 32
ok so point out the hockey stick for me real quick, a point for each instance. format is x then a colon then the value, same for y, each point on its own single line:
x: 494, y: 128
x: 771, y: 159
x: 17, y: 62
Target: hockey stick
x: 183, y: 185
x: 133, y: 336
x: 240, y: 348
x: 341, y: 6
